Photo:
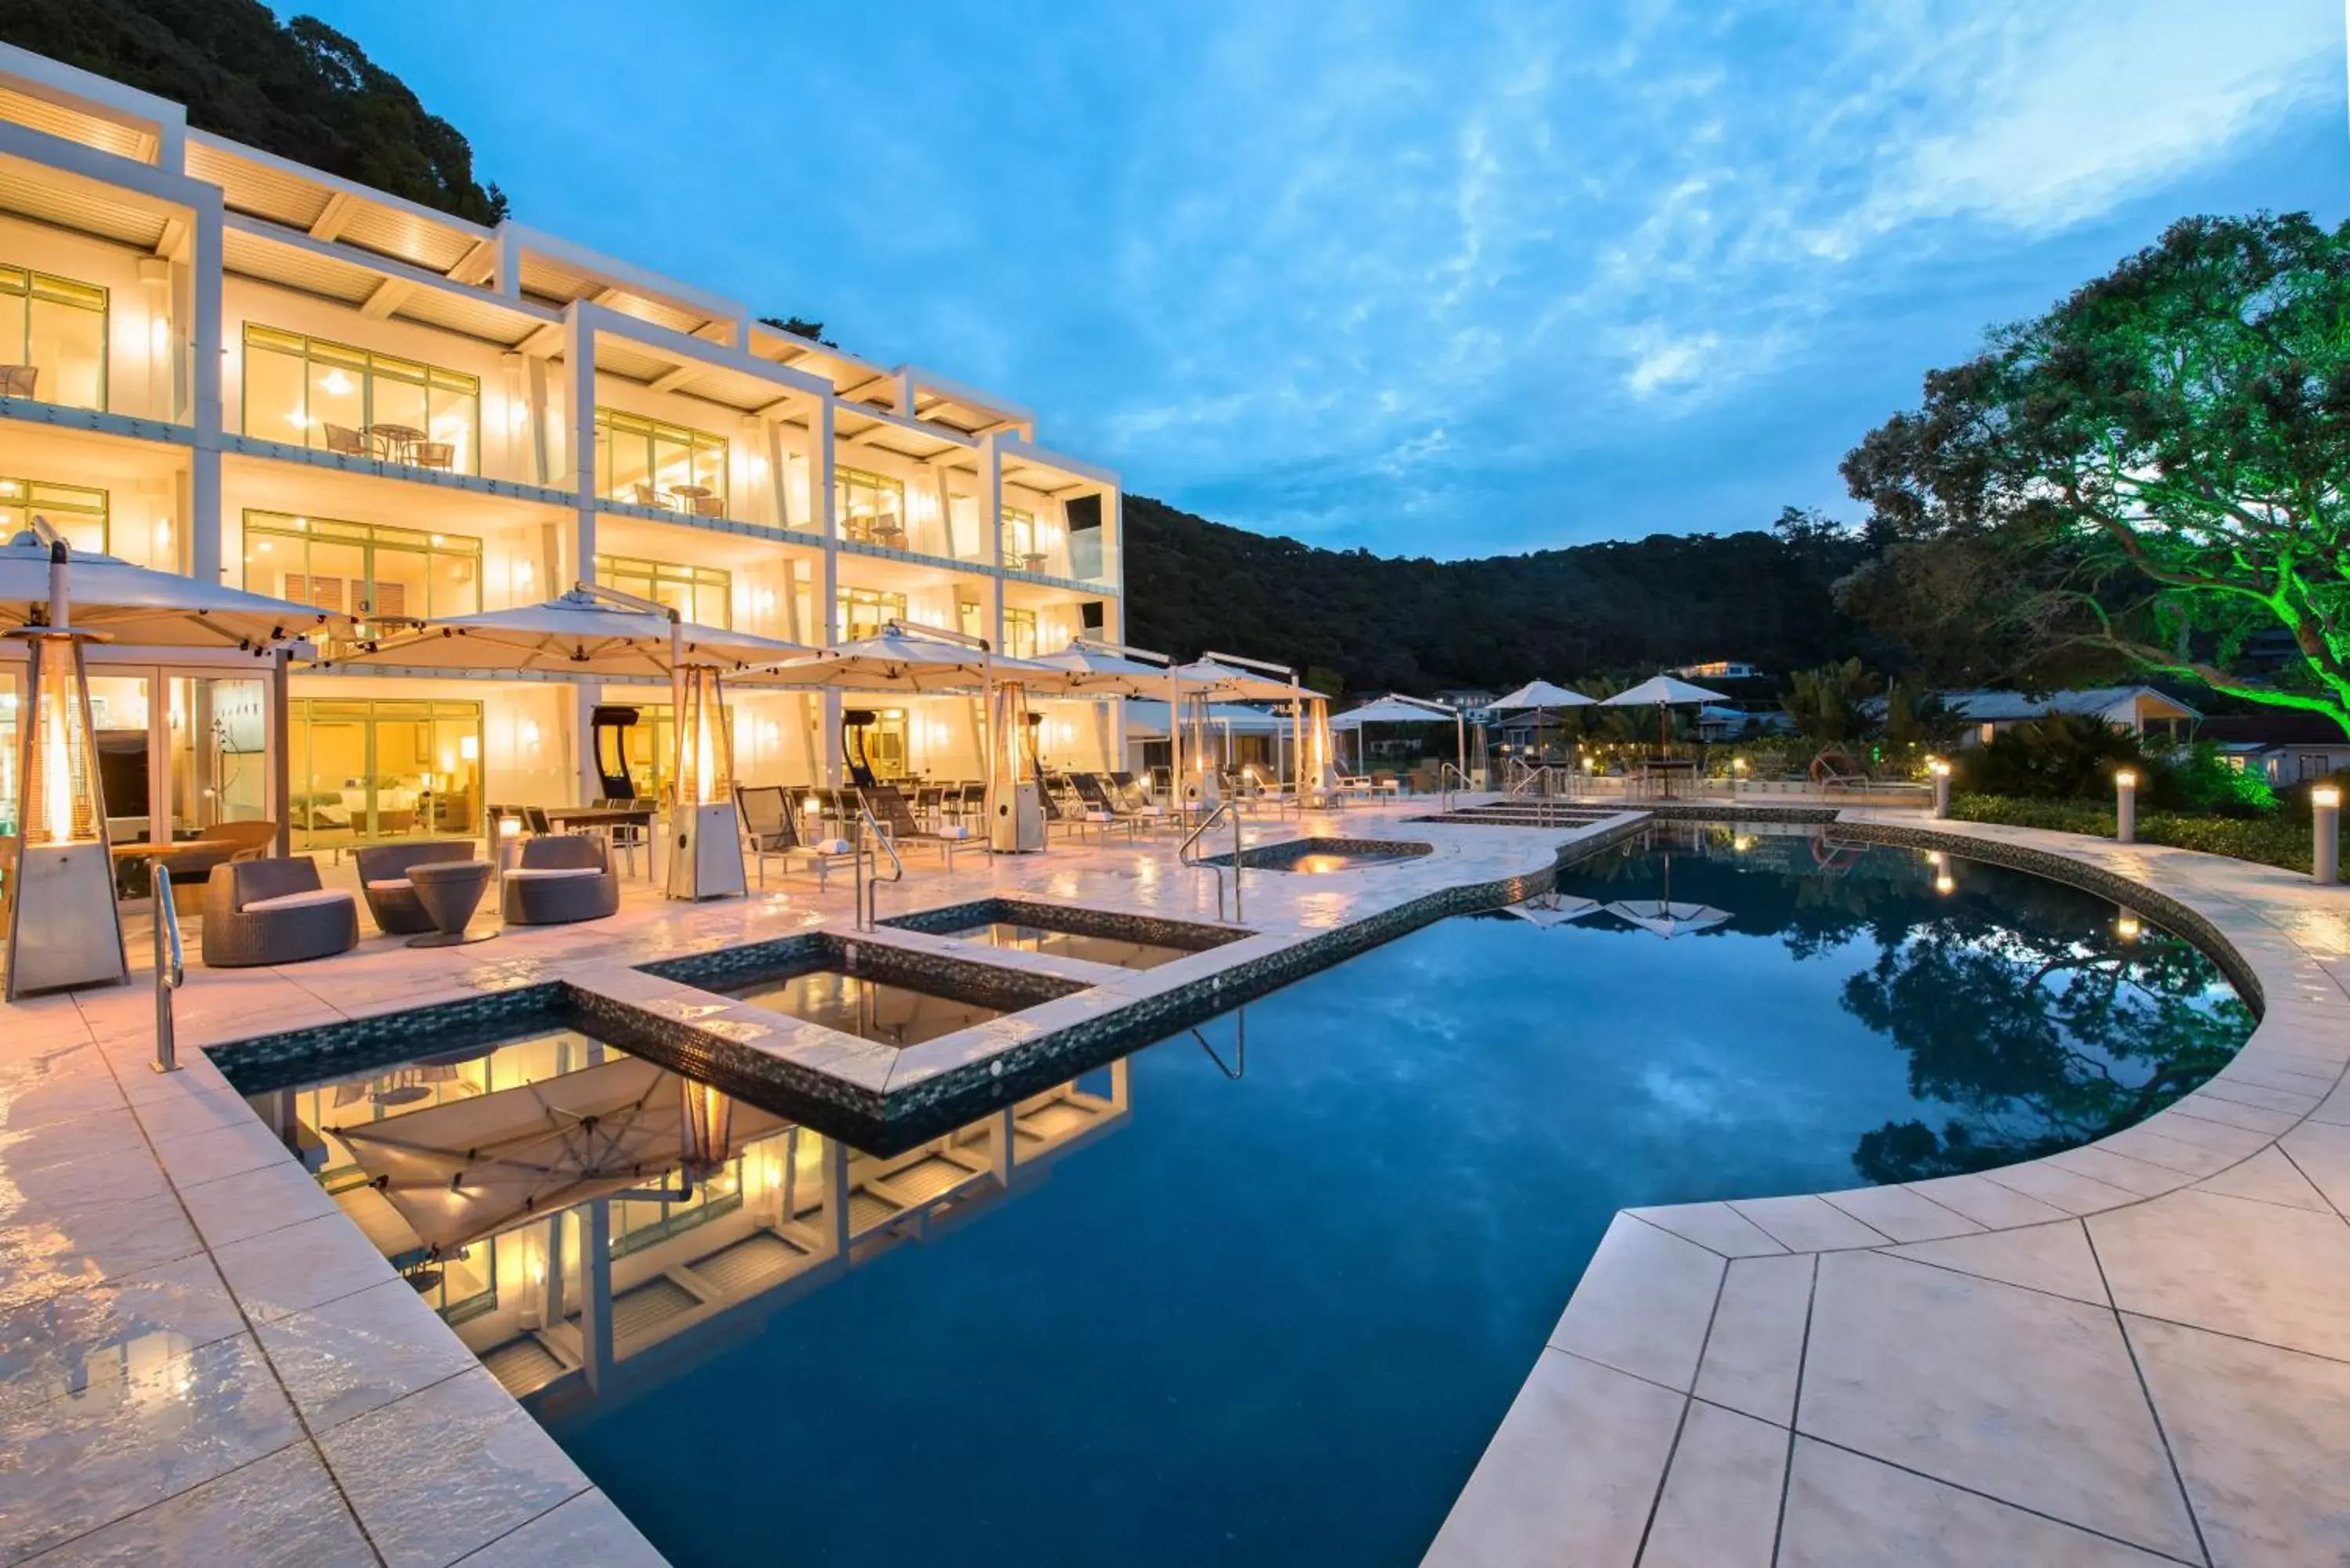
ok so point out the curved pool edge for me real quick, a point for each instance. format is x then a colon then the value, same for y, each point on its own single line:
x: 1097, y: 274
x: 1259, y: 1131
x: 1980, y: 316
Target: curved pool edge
x: 2121, y: 1347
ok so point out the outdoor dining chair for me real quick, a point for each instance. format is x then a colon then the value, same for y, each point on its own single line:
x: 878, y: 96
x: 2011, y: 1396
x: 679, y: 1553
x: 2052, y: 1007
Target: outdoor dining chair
x: 19, y: 380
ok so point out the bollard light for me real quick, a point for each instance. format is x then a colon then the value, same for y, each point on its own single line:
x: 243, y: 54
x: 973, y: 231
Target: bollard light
x: 2125, y: 806
x: 1941, y: 772
x: 2126, y: 925
x: 1945, y: 883
x: 2326, y: 833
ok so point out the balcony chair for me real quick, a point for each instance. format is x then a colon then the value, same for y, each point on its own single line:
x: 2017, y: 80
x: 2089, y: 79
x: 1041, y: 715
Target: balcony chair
x: 647, y: 495
x: 259, y: 912
x: 439, y: 454
x: 345, y: 442
x: 390, y: 896
x: 558, y: 880
x: 19, y: 380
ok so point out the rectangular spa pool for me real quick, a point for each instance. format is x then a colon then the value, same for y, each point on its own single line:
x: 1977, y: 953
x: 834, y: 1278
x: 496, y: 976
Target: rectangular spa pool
x: 1068, y: 930
x: 886, y: 1012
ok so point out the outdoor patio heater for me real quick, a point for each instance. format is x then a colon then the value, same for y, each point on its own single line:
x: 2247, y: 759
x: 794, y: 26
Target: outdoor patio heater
x: 63, y: 927
x: 705, y: 857
x: 1015, y: 816
x: 705, y: 1130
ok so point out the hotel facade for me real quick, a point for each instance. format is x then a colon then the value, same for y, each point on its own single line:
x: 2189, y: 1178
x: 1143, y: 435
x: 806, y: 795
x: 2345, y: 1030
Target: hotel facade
x: 219, y: 363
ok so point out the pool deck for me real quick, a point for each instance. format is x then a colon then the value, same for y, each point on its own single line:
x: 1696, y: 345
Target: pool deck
x: 2133, y: 1353
x: 2130, y: 1354
x: 204, y: 1361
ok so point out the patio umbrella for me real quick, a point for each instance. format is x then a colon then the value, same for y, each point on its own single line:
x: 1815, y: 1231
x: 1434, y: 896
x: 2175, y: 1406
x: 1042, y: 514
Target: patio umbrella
x: 1541, y: 696
x: 1107, y: 668
x: 468, y: 1168
x: 1665, y: 692
x: 1397, y: 709
x: 159, y: 610
x: 1230, y: 678
x: 1663, y: 916
x: 587, y: 633
x: 1548, y: 910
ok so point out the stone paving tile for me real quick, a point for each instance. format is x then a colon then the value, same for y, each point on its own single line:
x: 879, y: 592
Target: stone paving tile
x: 2261, y: 1436
x: 2293, y: 1103
x: 1717, y: 1227
x: 1808, y: 1224
x: 159, y: 1426
x: 588, y: 1531
x: 1901, y: 1214
x: 2267, y: 1177
x: 463, y: 1443
x: 111, y: 1132
x: 280, y: 1273
x: 190, y: 1110
x: 2054, y: 1257
x: 2335, y: 1108
x: 65, y: 1342
x: 1755, y: 1352
x: 281, y: 1511
x: 1846, y: 1510
x: 2203, y: 1105
x: 1986, y: 1202
x: 1643, y: 1304
x: 2320, y: 1152
x: 196, y: 1158
x: 1921, y: 1367
x: 2256, y: 1270
x: 1571, y: 1475
x: 2135, y: 1177
x: 93, y: 1182
x: 359, y: 1352
x: 1721, y: 1502
x: 41, y: 1258
x: 2059, y: 1187
x: 258, y: 1202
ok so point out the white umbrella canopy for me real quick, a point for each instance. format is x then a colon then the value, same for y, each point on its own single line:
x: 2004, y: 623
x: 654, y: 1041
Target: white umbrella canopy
x: 1666, y: 919
x: 1547, y: 909
x: 1541, y: 694
x: 900, y: 658
x: 1661, y: 690
x: 1100, y: 671
x: 159, y: 610
x: 1242, y: 685
x: 576, y: 634
x: 1393, y: 710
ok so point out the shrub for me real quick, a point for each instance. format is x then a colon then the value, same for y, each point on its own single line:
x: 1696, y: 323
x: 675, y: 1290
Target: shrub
x: 2198, y: 779
x: 2273, y: 840
x: 2059, y: 756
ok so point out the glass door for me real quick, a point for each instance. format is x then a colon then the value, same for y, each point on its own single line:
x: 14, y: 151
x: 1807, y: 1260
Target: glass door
x: 217, y: 742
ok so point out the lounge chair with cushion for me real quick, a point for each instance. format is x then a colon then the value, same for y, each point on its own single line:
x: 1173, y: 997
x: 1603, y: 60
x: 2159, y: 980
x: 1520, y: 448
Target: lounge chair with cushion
x: 889, y: 807
x: 1101, y: 805
x: 559, y: 878
x: 390, y: 896
x: 275, y: 911
x: 770, y: 828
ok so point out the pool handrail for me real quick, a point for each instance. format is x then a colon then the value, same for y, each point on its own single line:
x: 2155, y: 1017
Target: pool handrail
x: 1224, y: 809
x: 170, y: 971
x: 867, y: 887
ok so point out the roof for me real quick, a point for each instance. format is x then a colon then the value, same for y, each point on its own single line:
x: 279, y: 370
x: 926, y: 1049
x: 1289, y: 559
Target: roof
x: 2000, y: 707
x: 2277, y: 727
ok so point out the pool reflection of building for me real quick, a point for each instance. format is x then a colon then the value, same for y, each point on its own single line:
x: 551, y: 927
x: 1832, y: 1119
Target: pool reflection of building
x: 488, y: 1178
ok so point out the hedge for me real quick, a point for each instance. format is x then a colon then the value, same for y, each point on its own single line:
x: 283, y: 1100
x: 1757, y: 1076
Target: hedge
x: 2269, y: 840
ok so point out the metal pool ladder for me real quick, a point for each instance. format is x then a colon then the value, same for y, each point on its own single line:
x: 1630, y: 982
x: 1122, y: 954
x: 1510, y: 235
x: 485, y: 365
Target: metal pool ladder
x: 1445, y: 773
x: 170, y: 971
x: 1183, y: 856
x: 868, y: 884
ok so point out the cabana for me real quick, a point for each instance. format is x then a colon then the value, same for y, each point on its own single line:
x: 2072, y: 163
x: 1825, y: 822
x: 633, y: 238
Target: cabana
x: 1398, y: 709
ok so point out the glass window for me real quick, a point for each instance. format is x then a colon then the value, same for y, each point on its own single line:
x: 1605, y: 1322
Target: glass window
x: 701, y: 594
x: 75, y: 511
x: 306, y: 392
x: 366, y: 569
x: 871, y: 507
x: 1020, y: 633
x: 645, y: 463
x: 55, y: 328
x: 396, y: 768
x: 1020, y: 539
x: 863, y: 611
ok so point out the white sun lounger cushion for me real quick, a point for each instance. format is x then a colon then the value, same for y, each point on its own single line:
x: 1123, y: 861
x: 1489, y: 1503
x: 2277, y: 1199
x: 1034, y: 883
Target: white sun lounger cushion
x: 955, y: 830
x: 831, y: 846
x: 388, y: 885
x: 552, y: 873
x: 319, y: 897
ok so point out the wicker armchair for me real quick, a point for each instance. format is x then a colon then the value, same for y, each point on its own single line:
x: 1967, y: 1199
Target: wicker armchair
x: 275, y: 911
x: 559, y: 880
x: 383, y: 878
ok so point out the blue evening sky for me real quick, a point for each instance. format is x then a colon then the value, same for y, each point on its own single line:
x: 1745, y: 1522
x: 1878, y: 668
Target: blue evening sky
x: 1435, y: 279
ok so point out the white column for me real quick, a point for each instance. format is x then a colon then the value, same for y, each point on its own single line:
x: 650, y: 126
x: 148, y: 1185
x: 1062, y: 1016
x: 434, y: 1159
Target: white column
x: 596, y: 1292
x: 203, y: 522
x: 823, y: 513
x: 155, y: 286
x: 991, y: 522
x: 579, y: 362
x: 535, y: 392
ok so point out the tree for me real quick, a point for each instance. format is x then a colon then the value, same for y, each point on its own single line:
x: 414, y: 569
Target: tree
x: 302, y: 89
x: 2152, y: 472
x: 1826, y: 703
x: 799, y: 327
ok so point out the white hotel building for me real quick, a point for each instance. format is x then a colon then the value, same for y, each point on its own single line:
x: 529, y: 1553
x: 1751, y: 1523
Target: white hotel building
x: 220, y: 363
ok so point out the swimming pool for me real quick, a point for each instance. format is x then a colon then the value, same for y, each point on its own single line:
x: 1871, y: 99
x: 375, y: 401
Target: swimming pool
x: 1269, y: 1298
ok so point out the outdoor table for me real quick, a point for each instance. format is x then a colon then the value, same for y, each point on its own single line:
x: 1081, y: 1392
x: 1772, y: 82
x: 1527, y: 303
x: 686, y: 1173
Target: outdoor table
x: 1665, y: 768
x: 449, y: 891
x: 399, y: 441
x: 602, y: 819
x: 685, y: 495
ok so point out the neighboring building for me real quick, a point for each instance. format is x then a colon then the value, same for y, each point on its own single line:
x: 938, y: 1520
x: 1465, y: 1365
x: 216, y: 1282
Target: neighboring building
x: 1470, y: 699
x: 2141, y: 710
x: 224, y: 364
x: 1720, y: 670
x: 2286, y: 747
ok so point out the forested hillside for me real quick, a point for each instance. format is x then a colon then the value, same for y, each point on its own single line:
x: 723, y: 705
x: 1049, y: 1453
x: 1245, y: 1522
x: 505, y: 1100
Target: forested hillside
x: 1416, y: 625
x: 301, y: 90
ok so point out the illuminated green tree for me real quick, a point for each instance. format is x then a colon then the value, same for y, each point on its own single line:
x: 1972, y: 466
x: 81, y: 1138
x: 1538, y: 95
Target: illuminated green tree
x: 2156, y: 469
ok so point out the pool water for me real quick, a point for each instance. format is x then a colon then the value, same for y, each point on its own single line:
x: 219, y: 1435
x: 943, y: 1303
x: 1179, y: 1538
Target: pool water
x: 1272, y: 1314
x: 1035, y: 938
x: 890, y: 1012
